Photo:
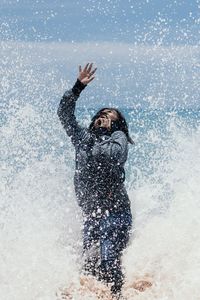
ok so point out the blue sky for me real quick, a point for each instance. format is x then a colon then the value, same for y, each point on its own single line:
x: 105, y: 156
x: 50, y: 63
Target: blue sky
x: 132, y: 21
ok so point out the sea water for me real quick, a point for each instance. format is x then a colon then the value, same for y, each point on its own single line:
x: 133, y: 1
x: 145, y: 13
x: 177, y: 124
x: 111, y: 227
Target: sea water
x: 40, y: 221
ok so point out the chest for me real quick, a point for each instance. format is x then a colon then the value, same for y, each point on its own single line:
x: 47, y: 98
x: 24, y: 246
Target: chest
x: 84, y: 156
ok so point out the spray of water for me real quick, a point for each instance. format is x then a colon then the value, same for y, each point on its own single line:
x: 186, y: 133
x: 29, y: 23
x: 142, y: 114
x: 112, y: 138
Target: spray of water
x: 40, y: 222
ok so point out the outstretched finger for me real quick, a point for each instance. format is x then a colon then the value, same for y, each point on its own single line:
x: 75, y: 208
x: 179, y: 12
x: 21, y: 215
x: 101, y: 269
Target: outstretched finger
x: 91, y: 79
x: 90, y: 67
x: 92, y: 72
x: 85, y: 69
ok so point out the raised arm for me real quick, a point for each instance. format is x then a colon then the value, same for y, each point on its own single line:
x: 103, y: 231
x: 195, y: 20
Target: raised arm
x: 66, y: 109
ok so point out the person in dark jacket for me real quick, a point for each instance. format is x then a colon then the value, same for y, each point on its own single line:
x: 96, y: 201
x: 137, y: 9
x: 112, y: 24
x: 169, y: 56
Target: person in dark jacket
x: 101, y: 152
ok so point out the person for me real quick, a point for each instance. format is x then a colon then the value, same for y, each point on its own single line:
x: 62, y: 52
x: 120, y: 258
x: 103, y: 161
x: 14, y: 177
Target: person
x: 101, y: 152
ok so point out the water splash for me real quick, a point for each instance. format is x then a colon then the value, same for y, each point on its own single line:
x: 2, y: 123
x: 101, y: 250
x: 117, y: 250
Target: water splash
x: 40, y: 222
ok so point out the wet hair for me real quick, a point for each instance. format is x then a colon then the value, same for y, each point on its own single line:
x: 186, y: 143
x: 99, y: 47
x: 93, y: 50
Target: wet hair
x: 119, y: 124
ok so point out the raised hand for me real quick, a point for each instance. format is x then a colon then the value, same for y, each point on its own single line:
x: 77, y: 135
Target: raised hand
x: 86, y: 75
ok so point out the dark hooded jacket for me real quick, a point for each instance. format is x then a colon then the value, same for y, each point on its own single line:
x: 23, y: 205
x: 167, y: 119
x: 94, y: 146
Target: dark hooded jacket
x: 99, y: 173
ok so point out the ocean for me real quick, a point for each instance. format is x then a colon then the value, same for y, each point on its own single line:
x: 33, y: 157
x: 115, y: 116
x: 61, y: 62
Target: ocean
x: 40, y: 221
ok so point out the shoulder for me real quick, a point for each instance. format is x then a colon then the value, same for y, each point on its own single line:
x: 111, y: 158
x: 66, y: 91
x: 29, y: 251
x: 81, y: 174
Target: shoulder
x: 119, y: 135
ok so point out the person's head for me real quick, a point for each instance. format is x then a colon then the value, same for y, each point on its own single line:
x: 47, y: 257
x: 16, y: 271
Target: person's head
x: 110, y: 119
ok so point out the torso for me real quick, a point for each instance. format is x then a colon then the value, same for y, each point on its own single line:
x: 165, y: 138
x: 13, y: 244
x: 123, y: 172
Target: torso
x: 98, y: 185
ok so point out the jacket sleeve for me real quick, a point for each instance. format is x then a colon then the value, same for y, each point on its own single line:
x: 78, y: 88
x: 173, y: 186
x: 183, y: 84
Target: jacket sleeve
x: 66, y: 111
x: 113, y: 149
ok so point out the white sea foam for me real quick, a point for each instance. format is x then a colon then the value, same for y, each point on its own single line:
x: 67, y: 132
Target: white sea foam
x: 41, y: 228
x: 40, y: 222
x: 166, y: 246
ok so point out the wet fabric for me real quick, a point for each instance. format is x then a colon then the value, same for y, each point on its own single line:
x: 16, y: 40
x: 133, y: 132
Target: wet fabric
x: 100, y: 191
x: 110, y: 234
x: 99, y: 175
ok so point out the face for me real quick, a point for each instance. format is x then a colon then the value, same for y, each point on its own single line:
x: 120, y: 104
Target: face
x: 105, y: 119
